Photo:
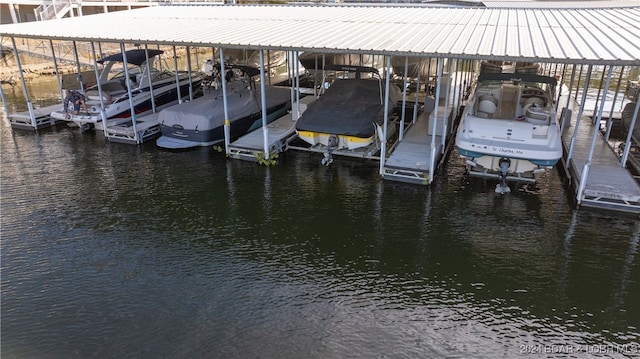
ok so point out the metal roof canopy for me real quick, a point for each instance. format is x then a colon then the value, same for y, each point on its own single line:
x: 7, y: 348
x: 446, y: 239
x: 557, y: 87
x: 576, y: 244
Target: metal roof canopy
x: 599, y: 36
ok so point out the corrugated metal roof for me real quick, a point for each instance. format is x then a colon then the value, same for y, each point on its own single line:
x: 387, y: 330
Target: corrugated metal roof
x: 570, y: 4
x: 598, y: 36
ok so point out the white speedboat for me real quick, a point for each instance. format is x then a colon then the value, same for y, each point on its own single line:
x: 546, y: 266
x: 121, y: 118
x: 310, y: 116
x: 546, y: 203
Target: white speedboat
x: 509, y: 128
x: 201, y: 122
x: 349, y: 114
x: 113, y: 86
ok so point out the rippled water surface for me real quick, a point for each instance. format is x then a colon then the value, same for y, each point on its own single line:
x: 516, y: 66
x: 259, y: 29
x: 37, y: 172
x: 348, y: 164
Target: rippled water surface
x: 112, y: 250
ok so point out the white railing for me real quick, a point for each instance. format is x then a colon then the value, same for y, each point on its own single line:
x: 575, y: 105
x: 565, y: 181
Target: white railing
x: 52, y: 9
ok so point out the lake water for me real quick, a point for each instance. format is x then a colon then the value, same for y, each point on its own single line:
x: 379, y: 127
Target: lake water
x: 113, y: 250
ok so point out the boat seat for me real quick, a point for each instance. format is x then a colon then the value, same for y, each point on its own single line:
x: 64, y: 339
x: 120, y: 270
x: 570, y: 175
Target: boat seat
x: 487, y: 106
x: 535, y: 114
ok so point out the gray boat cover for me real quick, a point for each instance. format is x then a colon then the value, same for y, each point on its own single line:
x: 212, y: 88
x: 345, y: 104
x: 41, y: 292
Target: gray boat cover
x: 207, y: 112
x: 350, y: 107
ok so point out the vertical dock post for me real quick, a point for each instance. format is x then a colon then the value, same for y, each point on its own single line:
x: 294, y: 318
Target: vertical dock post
x: 579, y: 118
x: 563, y: 125
x: 432, y: 159
x: 225, y: 105
x: 404, y: 97
x: 125, y: 65
x: 383, y: 139
x: 153, y: 97
x: 175, y: 67
x: 415, y: 103
x: 189, y: 73
x: 95, y: 69
x: 263, y: 99
x: 32, y: 114
x: 596, y: 128
x: 445, y: 119
x: 632, y: 125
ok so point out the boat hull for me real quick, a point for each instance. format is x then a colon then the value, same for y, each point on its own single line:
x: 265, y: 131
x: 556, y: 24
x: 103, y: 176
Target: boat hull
x: 120, y: 111
x: 509, y: 129
x: 179, y: 137
x: 347, y: 116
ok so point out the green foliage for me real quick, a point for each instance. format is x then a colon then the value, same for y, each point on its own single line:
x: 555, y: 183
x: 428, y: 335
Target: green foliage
x: 272, y: 161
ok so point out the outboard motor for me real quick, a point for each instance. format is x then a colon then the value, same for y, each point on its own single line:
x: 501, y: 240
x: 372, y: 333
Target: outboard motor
x: 332, y: 144
x: 503, y: 187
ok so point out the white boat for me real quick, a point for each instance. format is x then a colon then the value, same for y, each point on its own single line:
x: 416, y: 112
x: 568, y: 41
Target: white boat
x: 113, y: 84
x: 509, y: 129
x: 349, y: 114
x: 201, y: 122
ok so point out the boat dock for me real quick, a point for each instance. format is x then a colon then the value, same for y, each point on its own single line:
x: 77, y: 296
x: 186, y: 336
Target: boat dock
x: 410, y: 158
x: 42, y: 118
x: 280, y: 133
x: 608, y: 184
x: 147, y: 127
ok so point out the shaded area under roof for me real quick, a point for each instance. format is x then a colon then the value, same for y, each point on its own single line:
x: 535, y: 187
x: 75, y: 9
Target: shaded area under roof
x: 603, y: 36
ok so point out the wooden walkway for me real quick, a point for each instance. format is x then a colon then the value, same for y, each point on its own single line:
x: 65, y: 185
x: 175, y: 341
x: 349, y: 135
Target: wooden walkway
x: 608, y: 184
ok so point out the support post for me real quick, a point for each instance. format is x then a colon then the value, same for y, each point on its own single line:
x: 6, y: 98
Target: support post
x: 225, y: 104
x: 445, y: 119
x: 613, y: 105
x: 175, y: 66
x: 263, y: 101
x: 153, y: 97
x: 627, y: 142
x: 426, y: 94
x: 404, y: 97
x: 128, y: 81
x: 383, y: 140
x: 579, y: 118
x: 432, y: 159
x: 32, y: 114
x: 189, y: 73
x: 596, y: 128
x: 563, y: 126
x: 95, y: 69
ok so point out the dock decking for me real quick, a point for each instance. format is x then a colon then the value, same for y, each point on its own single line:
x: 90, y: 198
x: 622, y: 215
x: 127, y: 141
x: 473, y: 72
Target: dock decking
x: 281, y: 132
x: 608, y: 184
x: 43, y: 119
x: 147, y: 128
x: 410, y: 160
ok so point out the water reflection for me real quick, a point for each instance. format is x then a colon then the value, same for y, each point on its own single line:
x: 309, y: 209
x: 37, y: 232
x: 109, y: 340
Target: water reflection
x: 111, y: 249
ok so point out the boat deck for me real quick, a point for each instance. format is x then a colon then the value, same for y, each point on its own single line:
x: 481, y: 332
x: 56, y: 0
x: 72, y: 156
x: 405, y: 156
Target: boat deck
x: 410, y: 159
x: 281, y: 132
x: 22, y: 120
x: 609, y: 185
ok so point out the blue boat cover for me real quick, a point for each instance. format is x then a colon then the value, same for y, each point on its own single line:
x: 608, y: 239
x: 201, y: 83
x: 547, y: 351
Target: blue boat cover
x: 350, y: 107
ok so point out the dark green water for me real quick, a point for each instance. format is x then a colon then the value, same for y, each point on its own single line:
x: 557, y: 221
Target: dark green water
x: 112, y: 250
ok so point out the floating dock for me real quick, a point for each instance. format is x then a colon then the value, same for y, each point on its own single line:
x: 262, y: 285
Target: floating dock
x: 147, y: 128
x: 22, y: 120
x: 281, y: 132
x: 410, y: 159
x: 608, y: 185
